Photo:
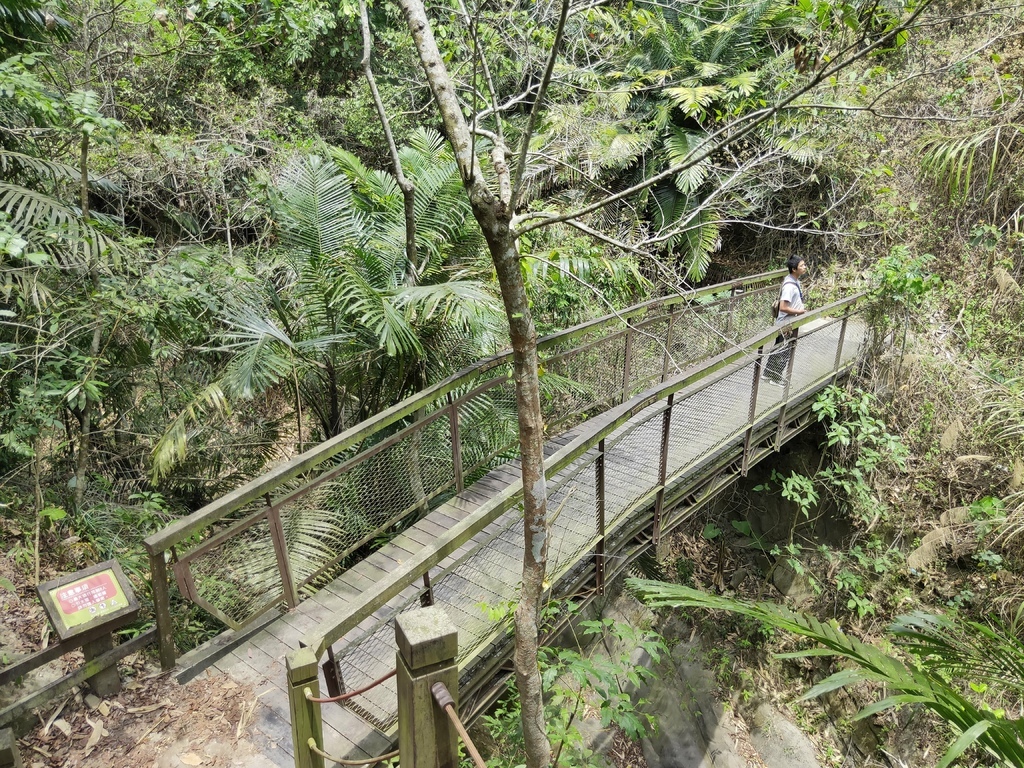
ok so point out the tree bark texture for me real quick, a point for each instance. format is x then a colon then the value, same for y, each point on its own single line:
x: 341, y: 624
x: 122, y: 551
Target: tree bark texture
x: 85, y: 442
x: 494, y: 215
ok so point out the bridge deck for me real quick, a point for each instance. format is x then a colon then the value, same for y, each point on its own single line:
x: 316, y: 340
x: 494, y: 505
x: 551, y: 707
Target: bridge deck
x: 705, y: 421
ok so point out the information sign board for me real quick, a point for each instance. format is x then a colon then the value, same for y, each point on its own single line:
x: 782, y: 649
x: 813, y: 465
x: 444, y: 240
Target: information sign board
x: 98, y: 596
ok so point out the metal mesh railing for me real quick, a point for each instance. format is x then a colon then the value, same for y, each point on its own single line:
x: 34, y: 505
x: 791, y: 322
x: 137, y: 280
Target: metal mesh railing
x: 281, y: 535
x: 619, y: 470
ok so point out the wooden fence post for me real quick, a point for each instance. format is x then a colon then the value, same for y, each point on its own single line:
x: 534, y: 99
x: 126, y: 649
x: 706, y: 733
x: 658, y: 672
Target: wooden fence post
x: 162, y: 608
x: 10, y: 757
x: 427, y: 646
x: 307, y: 720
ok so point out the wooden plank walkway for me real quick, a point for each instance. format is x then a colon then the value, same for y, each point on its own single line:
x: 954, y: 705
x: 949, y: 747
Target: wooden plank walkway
x: 705, y: 421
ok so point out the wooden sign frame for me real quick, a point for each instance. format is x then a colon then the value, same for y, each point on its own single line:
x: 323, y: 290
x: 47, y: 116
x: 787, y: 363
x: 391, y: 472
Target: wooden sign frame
x: 93, y: 588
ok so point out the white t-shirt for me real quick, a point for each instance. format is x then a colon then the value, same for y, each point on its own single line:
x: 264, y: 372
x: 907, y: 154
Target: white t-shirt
x: 790, y: 294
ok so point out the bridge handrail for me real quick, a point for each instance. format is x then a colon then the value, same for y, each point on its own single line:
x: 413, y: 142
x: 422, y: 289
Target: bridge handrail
x: 183, y: 529
x: 330, y: 631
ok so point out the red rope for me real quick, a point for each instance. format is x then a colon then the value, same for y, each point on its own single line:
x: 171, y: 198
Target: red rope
x: 350, y: 694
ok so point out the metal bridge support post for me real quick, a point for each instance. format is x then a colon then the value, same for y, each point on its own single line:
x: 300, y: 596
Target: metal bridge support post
x: 781, y: 428
x: 284, y: 566
x: 659, y: 503
x: 730, y: 320
x: 839, y: 347
x: 627, y: 360
x: 307, y: 720
x: 453, y: 428
x: 599, y: 547
x: 428, y: 643
x: 668, y: 343
x: 752, y: 413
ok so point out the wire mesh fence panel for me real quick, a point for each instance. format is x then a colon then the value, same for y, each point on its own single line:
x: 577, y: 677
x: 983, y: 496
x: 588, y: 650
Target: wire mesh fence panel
x: 337, y: 516
x: 648, y: 354
x: 237, y: 578
x: 488, y: 428
x: 751, y: 314
x: 632, y: 464
x: 582, y: 380
x: 572, y: 508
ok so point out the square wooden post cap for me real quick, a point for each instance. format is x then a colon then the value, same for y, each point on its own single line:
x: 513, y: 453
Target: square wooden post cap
x: 426, y: 637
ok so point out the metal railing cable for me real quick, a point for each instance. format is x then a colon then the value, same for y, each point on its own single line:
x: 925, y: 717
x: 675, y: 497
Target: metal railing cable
x: 446, y: 702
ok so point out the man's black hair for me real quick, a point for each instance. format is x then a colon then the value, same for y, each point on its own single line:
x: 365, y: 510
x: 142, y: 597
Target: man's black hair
x: 793, y: 262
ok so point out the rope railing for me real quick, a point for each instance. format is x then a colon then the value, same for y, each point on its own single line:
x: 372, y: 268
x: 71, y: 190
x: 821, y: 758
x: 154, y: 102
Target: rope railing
x: 445, y: 701
x: 278, y: 537
x: 349, y: 694
x: 315, y: 749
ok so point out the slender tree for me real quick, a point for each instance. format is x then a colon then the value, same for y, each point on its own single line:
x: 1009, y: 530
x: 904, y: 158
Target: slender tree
x: 497, y: 199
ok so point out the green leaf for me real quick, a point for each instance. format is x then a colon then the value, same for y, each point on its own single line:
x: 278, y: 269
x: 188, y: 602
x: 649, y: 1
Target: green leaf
x: 711, y: 531
x: 967, y: 738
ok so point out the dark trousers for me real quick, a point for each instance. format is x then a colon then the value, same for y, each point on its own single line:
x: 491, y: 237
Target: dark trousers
x: 778, y: 359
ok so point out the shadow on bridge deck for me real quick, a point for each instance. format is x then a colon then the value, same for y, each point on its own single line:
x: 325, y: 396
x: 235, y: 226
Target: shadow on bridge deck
x: 710, y: 443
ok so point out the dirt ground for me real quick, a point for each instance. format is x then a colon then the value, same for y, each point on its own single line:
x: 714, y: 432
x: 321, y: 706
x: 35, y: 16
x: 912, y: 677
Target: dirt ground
x: 153, y: 721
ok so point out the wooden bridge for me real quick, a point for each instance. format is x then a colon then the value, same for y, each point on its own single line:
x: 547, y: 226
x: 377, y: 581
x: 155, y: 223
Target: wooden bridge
x: 650, y: 413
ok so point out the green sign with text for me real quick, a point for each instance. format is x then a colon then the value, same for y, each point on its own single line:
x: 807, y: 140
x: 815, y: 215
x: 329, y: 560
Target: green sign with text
x: 91, y: 598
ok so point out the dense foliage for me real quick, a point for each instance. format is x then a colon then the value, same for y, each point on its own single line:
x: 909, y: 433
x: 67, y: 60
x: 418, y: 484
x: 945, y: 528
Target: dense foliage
x: 205, y: 266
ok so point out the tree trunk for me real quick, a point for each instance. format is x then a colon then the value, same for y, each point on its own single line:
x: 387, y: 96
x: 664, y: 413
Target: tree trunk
x: 535, y: 516
x: 494, y: 215
x: 84, y: 444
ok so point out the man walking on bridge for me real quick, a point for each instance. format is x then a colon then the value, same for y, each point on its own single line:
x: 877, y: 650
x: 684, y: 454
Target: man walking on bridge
x: 791, y: 304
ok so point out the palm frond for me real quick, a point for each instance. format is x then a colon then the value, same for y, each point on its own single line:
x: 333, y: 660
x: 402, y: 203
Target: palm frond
x: 1000, y: 736
x: 970, y: 165
x: 13, y: 162
x: 316, y: 206
x: 47, y: 222
x: 172, y: 446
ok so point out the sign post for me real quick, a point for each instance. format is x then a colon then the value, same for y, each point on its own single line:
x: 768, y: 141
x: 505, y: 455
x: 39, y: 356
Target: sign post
x: 89, y: 605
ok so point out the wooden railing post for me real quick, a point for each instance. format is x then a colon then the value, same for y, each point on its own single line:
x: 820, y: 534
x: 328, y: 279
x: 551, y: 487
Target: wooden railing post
x: 659, y: 502
x: 162, y: 608
x: 307, y: 720
x: 599, y: 548
x: 428, y: 644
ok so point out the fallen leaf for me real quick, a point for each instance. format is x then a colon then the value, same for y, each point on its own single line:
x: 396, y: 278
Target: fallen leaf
x: 94, y: 738
x: 62, y: 726
x: 191, y: 759
x: 147, y: 708
x: 103, y: 708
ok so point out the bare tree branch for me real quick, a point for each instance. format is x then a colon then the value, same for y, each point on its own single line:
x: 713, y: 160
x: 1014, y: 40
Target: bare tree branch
x: 407, y: 187
x: 538, y: 105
